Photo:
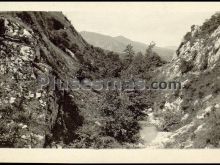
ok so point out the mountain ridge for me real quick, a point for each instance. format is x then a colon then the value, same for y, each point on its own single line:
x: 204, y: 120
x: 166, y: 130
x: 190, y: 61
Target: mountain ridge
x: 118, y: 44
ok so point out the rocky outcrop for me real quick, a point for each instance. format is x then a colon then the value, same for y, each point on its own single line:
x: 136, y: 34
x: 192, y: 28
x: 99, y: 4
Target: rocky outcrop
x: 30, y: 116
x: 21, y: 126
x: 191, y: 114
x: 44, y: 46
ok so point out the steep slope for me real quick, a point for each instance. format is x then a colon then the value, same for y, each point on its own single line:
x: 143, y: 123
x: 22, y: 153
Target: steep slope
x: 44, y: 48
x: 191, y: 115
x: 118, y: 44
x: 36, y: 45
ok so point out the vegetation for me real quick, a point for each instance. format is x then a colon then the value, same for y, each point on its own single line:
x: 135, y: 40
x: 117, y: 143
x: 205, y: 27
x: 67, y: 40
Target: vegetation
x: 96, y: 119
x: 120, y: 110
x: 209, y: 26
x: 129, y: 55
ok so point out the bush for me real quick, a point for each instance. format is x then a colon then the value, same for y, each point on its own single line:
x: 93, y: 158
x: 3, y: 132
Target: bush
x: 171, y: 119
x: 120, y: 120
x: 8, y: 134
x: 210, y: 135
x: 211, y: 24
x: 185, y: 66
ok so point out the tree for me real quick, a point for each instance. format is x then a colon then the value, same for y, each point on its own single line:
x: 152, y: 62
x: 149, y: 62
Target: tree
x: 120, y: 122
x: 149, y: 50
x: 129, y: 53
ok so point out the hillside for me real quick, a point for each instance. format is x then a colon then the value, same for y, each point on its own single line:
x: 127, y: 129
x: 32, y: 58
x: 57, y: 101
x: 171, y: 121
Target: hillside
x: 118, y: 44
x: 42, y: 55
x: 190, y: 116
x: 50, y: 94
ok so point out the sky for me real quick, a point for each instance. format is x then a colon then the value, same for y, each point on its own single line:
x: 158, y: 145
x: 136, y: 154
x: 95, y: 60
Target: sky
x: 162, y: 22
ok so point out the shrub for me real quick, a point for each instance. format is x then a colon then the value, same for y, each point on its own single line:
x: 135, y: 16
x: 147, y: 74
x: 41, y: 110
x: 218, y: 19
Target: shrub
x: 210, y: 135
x: 120, y: 122
x: 185, y: 66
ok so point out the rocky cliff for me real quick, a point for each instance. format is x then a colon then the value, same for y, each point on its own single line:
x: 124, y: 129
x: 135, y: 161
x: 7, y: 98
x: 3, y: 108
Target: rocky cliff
x: 192, y: 114
x: 41, y: 43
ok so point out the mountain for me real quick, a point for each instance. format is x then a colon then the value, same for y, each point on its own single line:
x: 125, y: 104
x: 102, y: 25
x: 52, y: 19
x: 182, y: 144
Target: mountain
x: 38, y: 47
x: 44, y: 97
x: 58, y: 91
x: 191, y: 115
x: 118, y: 44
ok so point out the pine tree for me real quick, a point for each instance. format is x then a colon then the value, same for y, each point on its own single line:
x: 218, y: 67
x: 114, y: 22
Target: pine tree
x: 129, y: 53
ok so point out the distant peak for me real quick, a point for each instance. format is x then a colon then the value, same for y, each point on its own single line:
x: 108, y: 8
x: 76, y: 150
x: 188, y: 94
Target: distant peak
x: 122, y: 38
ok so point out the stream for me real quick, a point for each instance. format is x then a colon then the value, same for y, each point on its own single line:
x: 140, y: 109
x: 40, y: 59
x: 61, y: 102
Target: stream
x: 150, y: 136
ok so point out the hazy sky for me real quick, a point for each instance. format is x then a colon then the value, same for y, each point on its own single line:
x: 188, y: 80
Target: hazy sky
x: 164, y: 23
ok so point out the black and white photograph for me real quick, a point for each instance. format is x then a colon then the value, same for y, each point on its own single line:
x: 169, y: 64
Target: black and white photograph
x: 111, y: 76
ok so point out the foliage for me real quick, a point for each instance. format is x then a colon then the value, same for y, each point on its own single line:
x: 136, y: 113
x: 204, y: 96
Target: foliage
x: 149, y: 50
x: 59, y: 46
x: 120, y: 120
x: 129, y: 55
x: 208, y: 27
x: 210, y: 132
x: 211, y: 24
x: 185, y: 66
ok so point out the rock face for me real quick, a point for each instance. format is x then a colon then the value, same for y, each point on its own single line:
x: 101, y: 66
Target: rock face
x: 18, y: 51
x: 192, y: 114
x: 38, y: 47
x: 33, y: 44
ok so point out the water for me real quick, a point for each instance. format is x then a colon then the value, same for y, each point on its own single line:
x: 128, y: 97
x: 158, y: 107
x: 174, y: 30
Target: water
x: 151, y: 137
